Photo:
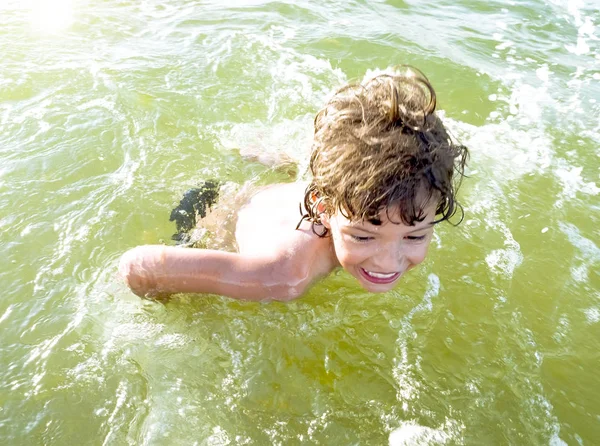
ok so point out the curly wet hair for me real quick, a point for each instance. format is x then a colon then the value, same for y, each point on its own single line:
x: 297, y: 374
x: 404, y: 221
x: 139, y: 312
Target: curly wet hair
x: 379, y: 145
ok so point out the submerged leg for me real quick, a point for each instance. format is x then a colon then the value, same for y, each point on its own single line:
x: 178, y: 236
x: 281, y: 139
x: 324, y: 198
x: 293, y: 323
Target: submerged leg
x: 195, y: 202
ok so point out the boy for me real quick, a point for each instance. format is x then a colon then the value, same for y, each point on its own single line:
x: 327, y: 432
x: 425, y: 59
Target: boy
x: 382, y: 170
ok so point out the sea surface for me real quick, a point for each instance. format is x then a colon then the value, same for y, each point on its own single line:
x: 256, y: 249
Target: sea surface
x: 110, y: 110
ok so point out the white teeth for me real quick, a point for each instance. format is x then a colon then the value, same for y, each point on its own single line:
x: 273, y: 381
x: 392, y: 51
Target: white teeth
x: 380, y: 275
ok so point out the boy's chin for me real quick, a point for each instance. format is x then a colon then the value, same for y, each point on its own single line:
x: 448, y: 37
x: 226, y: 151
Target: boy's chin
x: 372, y: 288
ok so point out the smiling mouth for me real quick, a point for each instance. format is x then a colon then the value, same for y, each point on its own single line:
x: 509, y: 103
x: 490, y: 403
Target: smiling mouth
x: 379, y: 277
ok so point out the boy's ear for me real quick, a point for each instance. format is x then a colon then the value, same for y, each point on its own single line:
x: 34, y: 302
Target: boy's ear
x: 324, y: 217
x: 320, y: 207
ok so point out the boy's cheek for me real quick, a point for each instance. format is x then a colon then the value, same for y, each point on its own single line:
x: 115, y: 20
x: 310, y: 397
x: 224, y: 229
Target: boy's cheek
x: 419, y: 256
x: 347, y: 257
x: 340, y: 252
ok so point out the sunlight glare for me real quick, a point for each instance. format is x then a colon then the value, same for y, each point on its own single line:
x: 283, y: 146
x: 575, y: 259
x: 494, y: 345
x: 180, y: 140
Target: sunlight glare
x: 52, y: 16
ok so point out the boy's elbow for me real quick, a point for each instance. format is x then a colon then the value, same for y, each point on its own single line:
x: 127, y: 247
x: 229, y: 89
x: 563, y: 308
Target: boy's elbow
x: 287, y: 293
x: 293, y: 287
x: 133, y: 272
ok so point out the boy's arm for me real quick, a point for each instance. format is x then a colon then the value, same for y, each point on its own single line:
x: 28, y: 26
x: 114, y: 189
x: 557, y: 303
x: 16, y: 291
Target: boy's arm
x: 157, y: 269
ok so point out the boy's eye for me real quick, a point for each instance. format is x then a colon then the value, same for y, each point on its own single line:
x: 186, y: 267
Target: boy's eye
x: 414, y: 237
x: 360, y: 239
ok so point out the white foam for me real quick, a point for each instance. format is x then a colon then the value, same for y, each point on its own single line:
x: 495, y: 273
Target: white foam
x: 271, y: 144
x: 579, y: 273
x: 412, y: 434
x: 404, y: 368
x: 543, y: 73
x: 592, y: 315
x: 584, y: 33
x: 501, y: 150
x: 504, y: 45
x: 504, y: 261
x: 588, y: 256
x: 587, y: 247
x: 172, y: 341
x: 218, y: 437
x: 572, y: 182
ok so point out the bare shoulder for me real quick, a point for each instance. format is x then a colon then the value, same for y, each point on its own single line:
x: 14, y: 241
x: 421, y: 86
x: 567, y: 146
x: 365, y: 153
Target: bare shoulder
x: 267, y: 224
x: 269, y: 219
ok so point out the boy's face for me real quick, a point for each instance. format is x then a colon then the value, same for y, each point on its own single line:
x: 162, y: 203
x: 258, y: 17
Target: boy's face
x: 379, y: 255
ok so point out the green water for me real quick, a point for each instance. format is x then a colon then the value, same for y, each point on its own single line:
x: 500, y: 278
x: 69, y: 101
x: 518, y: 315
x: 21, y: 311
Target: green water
x: 110, y: 110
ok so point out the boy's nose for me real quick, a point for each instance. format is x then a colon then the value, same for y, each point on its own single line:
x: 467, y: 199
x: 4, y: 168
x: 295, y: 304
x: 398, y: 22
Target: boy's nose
x: 392, y: 259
